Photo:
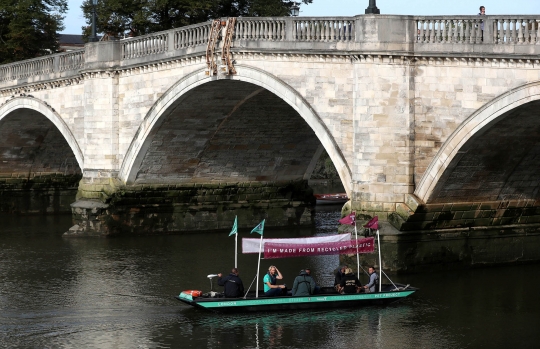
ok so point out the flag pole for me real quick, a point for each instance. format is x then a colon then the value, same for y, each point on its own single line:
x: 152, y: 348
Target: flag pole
x: 380, y: 261
x: 235, y: 232
x: 357, y: 253
x: 258, y: 268
x: 259, y: 229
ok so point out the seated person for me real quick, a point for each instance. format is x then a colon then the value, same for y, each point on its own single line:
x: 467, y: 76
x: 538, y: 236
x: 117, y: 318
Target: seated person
x: 303, y: 285
x: 233, y: 285
x: 339, y: 273
x: 317, y: 288
x: 373, y: 285
x: 350, y: 283
x: 271, y: 289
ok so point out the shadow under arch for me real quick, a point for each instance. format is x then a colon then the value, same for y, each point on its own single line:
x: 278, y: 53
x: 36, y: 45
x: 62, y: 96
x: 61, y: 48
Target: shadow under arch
x: 471, y: 127
x: 37, y: 105
x: 142, y: 139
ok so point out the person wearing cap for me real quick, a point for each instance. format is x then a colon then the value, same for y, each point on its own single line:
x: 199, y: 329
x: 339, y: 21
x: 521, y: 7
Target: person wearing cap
x: 373, y: 285
x: 303, y: 285
x: 233, y: 285
x: 339, y: 275
x: 350, y: 283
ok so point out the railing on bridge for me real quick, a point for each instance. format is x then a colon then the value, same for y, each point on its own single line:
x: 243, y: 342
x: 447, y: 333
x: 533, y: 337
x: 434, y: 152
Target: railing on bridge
x: 192, y: 35
x: 260, y: 29
x: 325, y: 30
x: 428, y: 35
x: 498, y: 30
x: 59, y: 62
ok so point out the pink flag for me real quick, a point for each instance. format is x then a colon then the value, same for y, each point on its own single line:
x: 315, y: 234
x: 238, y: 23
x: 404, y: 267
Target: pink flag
x: 350, y: 219
x: 373, y: 223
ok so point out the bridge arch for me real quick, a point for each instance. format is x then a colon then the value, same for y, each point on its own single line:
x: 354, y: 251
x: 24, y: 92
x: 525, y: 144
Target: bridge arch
x: 474, y: 126
x: 26, y: 102
x: 153, y: 119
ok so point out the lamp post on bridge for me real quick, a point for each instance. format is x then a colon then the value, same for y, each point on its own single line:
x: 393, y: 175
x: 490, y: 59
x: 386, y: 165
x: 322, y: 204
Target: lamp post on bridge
x: 372, y: 8
x: 295, y: 9
x: 94, y: 38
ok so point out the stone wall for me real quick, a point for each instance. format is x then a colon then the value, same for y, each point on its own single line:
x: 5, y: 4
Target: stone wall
x: 39, y: 194
x: 173, y: 208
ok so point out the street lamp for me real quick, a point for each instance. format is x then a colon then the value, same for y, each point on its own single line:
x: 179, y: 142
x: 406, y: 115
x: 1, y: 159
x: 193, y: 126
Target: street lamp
x: 295, y: 9
x: 94, y: 38
x: 372, y: 8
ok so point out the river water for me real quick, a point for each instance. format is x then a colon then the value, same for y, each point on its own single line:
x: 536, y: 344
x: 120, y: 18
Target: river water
x: 119, y: 293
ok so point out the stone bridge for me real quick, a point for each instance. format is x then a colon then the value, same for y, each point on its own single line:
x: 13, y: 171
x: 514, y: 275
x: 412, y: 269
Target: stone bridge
x: 431, y: 122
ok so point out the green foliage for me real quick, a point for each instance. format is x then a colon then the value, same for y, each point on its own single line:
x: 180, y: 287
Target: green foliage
x: 138, y: 17
x: 28, y: 28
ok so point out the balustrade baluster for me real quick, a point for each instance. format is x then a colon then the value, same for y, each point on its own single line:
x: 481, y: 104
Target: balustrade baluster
x: 526, y: 34
x: 331, y: 36
x: 470, y: 31
x: 444, y: 36
x: 477, y: 31
x: 511, y: 32
x: 537, y: 32
x: 515, y: 31
x: 501, y: 31
x: 495, y: 30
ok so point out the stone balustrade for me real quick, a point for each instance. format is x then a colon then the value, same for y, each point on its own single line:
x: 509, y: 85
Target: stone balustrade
x: 498, y: 30
x: 325, y: 30
x: 191, y: 35
x: 409, y: 35
x: 145, y: 45
x: 516, y: 30
x: 60, y: 62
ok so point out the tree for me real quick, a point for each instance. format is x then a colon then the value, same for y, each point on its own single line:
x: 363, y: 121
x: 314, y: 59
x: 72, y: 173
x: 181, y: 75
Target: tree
x: 137, y: 17
x: 28, y: 28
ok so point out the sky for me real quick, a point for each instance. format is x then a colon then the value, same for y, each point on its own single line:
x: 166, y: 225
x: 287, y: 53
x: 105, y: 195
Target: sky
x: 74, y: 19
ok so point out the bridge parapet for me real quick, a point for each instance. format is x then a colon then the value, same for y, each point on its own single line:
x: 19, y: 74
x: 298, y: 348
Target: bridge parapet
x: 513, y: 36
x: 57, y: 63
x: 499, y: 30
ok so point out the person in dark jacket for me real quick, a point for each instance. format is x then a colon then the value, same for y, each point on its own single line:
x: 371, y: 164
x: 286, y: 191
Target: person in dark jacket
x: 317, y: 288
x: 350, y: 283
x: 339, y: 274
x: 303, y: 285
x: 233, y: 285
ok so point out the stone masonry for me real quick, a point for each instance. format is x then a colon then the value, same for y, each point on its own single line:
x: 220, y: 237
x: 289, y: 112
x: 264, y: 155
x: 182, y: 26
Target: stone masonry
x: 429, y: 121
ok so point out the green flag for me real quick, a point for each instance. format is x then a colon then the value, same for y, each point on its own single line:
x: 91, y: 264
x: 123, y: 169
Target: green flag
x: 235, y: 227
x: 259, y: 228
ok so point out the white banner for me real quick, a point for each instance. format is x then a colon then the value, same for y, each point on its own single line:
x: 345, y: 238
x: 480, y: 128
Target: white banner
x: 252, y: 245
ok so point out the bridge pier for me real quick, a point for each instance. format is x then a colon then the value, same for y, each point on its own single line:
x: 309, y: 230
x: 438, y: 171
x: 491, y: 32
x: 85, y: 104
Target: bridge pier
x: 106, y: 207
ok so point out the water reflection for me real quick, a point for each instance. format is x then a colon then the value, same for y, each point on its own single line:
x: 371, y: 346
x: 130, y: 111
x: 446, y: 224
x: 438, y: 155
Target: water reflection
x: 118, y: 293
